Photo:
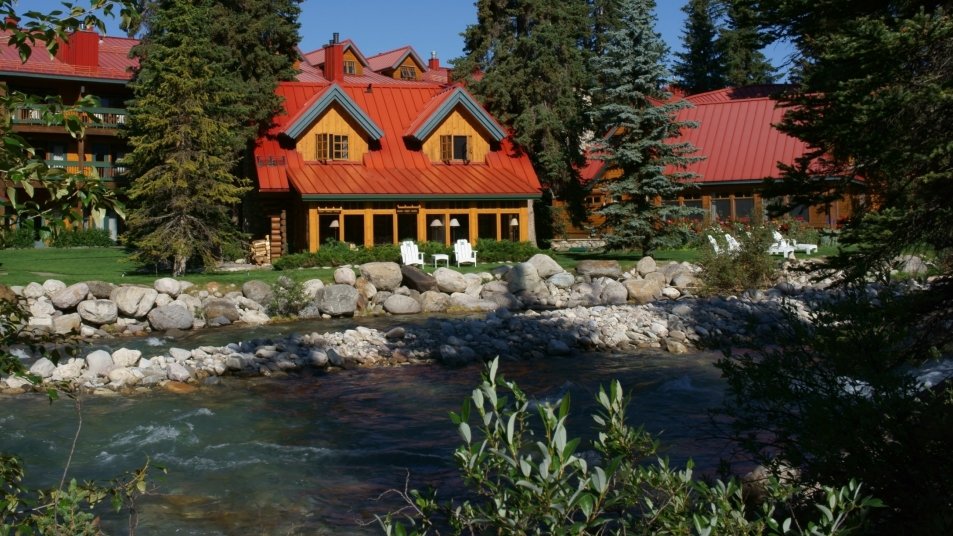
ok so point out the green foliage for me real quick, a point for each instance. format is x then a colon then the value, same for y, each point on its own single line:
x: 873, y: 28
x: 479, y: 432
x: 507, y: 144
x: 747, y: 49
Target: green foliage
x: 526, y: 478
x: 19, y: 237
x: 76, y: 237
x: 505, y: 251
x: 831, y: 395
x: 333, y: 253
x: 636, y: 103
x: 289, y: 298
x: 702, y: 66
x: 751, y: 267
x: 745, y: 64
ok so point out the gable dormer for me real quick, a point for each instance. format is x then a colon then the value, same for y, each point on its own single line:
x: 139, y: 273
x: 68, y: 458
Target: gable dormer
x: 454, y: 128
x: 400, y: 64
x: 353, y: 61
x: 332, y: 127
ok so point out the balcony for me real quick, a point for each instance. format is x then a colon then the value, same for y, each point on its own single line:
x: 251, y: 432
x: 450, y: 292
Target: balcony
x: 109, y: 118
x: 108, y: 171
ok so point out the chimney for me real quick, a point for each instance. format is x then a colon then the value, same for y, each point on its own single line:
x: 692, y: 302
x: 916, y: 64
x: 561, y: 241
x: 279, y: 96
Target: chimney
x: 80, y: 49
x: 334, y: 60
x: 434, y: 62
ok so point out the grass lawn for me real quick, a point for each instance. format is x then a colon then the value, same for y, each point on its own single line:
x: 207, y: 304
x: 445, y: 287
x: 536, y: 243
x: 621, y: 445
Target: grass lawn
x: 22, y: 266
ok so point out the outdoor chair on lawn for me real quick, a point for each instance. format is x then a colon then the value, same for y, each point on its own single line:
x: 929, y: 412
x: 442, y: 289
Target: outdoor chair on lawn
x: 463, y: 253
x: 733, y: 245
x: 781, y: 246
x: 714, y: 244
x: 410, y: 255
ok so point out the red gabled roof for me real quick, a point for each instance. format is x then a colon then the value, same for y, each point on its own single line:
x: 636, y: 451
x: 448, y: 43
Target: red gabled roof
x: 316, y: 57
x: 737, y: 93
x: 391, y: 59
x: 114, y: 63
x: 395, y: 169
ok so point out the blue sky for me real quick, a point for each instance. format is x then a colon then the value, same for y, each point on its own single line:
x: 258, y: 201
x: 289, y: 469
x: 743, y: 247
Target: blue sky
x: 427, y: 25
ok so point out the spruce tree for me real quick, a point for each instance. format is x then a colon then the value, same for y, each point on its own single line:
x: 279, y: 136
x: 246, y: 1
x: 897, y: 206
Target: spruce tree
x: 702, y: 66
x: 745, y: 64
x: 186, y: 137
x: 639, y: 109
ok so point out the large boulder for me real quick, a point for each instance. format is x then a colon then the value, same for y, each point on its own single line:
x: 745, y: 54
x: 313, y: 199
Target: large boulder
x: 384, y: 275
x: 345, y: 276
x: 100, y: 289
x: 523, y: 276
x: 545, y: 265
x: 255, y: 317
x: 365, y: 288
x: 309, y: 287
x: 221, y: 307
x: 658, y: 277
x: 492, y: 288
x: 52, y: 286
x: 125, y: 357
x: 134, y: 301
x: 163, y: 299
x: 506, y: 301
x: 457, y: 355
x: 70, y: 296
x: 913, y: 265
x: 98, y: 361
x: 563, y: 280
x: 415, y: 279
x: 643, y: 290
x: 464, y: 302
x: 33, y: 290
x: 646, y: 265
x: 434, y: 302
x: 191, y: 303
x: 672, y: 269
x: 167, y: 285
x: 65, y: 324
x: 683, y: 280
x: 614, y: 293
x: 450, y: 281
x: 401, y: 305
x: 178, y: 373
x: 258, y: 291
x: 42, y: 307
x: 43, y: 368
x: 7, y: 294
x: 171, y: 317
x: 122, y: 376
x: 596, y: 269
x: 337, y: 300
x: 98, y: 311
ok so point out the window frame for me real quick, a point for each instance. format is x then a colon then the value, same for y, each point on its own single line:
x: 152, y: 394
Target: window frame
x: 408, y: 72
x: 350, y: 67
x: 331, y: 147
x: 448, y: 148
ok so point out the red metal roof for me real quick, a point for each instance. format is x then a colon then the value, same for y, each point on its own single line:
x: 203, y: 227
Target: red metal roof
x: 316, y: 57
x: 395, y: 169
x: 113, y: 63
x: 736, y: 93
x: 393, y: 58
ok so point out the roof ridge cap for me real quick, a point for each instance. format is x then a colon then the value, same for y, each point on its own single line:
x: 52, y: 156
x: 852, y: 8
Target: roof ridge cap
x: 389, y: 51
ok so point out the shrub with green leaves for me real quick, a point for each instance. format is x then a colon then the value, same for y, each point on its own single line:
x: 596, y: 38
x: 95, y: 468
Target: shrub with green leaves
x: 77, y: 238
x: 18, y: 238
x: 289, y: 297
x: 505, y: 250
x: 750, y: 267
x: 527, y: 478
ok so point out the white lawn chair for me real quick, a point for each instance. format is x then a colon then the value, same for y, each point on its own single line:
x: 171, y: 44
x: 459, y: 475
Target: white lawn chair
x: 781, y: 246
x: 463, y: 253
x: 733, y: 245
x: 409, y: 254
x: 714, y: 244
x: 806, y: 248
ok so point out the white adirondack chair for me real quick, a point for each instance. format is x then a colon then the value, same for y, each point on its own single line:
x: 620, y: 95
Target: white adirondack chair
x: 463, y: 253
x: 410, y: 255
x: 733, y: 245
x: 781, y: 246
x: 714, y: 244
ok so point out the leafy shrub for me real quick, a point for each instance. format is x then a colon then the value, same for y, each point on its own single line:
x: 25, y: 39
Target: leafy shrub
x: 334, y: 253
x: 798, y: 230
x: 505, y: 250
x: 433, y: 248
x: 751, y: 267
x: 289, y: 297
x: 533, y: 483
x: 76, y: 238
x: 19, y: 238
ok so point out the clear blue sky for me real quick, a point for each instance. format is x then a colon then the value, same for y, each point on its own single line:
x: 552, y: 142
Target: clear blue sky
x: 427, y: 25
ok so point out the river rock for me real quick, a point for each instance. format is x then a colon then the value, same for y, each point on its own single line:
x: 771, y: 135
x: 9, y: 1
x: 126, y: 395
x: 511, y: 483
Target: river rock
x: 123, y: 376
x: 365, y: 288
x: 68, y: 371
x: 396, y: 333
x: 52, y: 286
x: 506, y: 301
x: 7, y: 294
x: 125, y: 357
x: 671, y: 293
x: 334, y: 357
x: 456, y: 355
x: 596, y: 269
x: 33, y: 290
x: 100, y: 289
x: 523, y: 276
x: 43, y: 368
x: 683, y: 280
x: 614, y: 293
x: 345, y: 276
x: 465, y: 302
x: 401, y: 305
x: 170, y: 317
x: 66, y: 324
x: 416, y: 279
x: 913, y: 265
x: 658, y: 277
x: 563, y: 280
x: 98, y: 361
x: 178, y: 373
x: 337, y: 300
x: 191, y: 303
x: 557, y: 347
x: 450, y: 281
x: 134, y: 301
x: 672, y: 269
x: 318, y: 358
x: 220, y: 307
x: 42, y: 307
x: 234, y: 363
x: 545, y: 265
x: 494, y: 287
x: 167, y: 285
x: 309, y: 287
x: 646, y: 265
x: 643, y: 290
x: 258, y: 291
x: 434, y: 302
x: 180, y: 354
x: 384, y: 275
x: 675, y: 346
x: 70, y: 296
x: 163, y: 299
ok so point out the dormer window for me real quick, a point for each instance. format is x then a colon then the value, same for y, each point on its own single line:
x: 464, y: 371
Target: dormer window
x: 350, y: 67
x: 408, y: 73
x: 331, y: 147
x: 455, y: 148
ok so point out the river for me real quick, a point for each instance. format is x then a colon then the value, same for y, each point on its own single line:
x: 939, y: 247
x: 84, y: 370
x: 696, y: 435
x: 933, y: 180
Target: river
x: 309, y: 454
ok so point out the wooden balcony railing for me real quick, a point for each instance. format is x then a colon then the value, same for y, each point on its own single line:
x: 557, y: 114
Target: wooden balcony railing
x: 108, y: 117
x: 105, y: 170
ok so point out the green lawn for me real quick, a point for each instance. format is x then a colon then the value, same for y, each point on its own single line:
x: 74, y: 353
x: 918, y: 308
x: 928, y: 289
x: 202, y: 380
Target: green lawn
x: 22, y: 266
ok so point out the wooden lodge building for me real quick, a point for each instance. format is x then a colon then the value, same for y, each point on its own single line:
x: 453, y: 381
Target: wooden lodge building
x: 376, y: 150
x: 741, y: 148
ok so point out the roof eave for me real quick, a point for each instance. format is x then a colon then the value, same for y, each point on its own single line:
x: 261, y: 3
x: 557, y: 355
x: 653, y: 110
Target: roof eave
x: 333, y: 94
x: 461, y: 97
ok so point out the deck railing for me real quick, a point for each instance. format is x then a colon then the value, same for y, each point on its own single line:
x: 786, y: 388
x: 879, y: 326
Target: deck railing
x: 108, y: 117
x: 105, y: 170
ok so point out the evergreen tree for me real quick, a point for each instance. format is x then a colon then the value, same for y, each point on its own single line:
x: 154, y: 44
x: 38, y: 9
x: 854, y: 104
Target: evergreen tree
x: 702, y: 66
x: 741, y: 42
x: 186, y: 137
x: 639, y: 109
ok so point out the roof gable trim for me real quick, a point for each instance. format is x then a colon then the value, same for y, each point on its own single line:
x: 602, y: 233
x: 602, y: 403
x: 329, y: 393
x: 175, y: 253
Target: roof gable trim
x: 413, y: 54
x: 459, y: 97
x: 334, y: 94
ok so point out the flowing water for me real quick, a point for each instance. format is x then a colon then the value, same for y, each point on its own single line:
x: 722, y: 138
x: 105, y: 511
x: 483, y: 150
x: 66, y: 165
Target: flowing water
x: 310, y: 454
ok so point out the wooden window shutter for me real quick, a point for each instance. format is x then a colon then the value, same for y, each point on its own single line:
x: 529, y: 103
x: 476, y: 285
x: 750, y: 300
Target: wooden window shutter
x: 469, y: 148
x: 446, y: 148
x: 321, y: 147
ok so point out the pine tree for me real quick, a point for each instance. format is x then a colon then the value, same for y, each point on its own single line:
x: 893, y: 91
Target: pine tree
x: 745, y: 64
x: 186, y: 137
x: 702, y: 66
x: 639, y: 109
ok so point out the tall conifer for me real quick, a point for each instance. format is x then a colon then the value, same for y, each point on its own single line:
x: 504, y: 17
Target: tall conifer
x: 702, y: 66
x: 745, y: 64
x: 639, y: 110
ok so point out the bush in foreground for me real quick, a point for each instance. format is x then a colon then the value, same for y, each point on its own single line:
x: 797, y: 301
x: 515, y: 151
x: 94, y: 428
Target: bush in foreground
x: 334, y: 253
x: 750, y: 267
x: 530, y: 481
x: 77, y: 238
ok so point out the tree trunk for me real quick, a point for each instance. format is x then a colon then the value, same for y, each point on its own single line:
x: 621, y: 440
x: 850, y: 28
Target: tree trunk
x: 178, y: 268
